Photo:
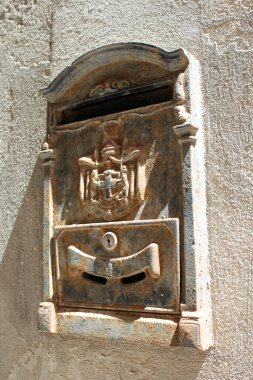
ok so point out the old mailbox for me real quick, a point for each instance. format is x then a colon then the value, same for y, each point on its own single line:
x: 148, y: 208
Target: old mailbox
x: 123, y: 232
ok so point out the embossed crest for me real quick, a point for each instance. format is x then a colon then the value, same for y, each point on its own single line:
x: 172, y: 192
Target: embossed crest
x: 112, y: 180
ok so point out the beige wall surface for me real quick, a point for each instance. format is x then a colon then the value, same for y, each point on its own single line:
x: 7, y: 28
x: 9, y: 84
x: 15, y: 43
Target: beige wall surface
x: 40, y: 38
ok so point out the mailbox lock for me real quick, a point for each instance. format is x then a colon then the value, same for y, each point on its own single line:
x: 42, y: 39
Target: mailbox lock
x: 110, y: 240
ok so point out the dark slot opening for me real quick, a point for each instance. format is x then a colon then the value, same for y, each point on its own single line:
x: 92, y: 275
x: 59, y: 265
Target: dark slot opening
x: 100, y: 280
x: 127, y: 100
x: 135, y: 278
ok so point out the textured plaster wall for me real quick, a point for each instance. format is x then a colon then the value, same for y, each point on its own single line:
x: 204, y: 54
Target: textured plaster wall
x: 38, y: 39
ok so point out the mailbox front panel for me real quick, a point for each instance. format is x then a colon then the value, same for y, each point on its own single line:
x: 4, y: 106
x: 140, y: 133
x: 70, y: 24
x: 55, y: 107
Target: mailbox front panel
x: 119, y: 265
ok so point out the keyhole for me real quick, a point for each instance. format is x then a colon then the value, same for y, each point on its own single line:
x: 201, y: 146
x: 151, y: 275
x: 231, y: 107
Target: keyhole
x: 110, y: 240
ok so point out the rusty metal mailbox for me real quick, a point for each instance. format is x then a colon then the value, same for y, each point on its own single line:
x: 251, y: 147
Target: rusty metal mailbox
x: 117, y: 185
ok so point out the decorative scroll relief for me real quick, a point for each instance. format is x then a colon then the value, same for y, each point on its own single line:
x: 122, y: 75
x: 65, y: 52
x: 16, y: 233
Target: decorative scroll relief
x: 112, y: 180
x: 108, y: 87
x: 146, y: 259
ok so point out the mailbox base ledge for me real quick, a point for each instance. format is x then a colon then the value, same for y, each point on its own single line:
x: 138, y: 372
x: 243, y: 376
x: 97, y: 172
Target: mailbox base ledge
x: 130, y: 327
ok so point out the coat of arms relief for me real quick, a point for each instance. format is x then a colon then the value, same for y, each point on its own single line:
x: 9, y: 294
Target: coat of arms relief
x: 112, y: 179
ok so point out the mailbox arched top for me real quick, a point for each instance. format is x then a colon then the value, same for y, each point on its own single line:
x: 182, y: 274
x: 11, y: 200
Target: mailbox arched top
x: 113, y: 68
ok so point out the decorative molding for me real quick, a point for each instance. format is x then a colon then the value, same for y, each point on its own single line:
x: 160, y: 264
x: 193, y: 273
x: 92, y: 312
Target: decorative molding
x: 108, y: 87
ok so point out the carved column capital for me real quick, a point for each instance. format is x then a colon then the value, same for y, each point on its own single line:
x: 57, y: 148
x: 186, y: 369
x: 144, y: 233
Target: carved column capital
x: 46, y: 156
x: 186, y: 132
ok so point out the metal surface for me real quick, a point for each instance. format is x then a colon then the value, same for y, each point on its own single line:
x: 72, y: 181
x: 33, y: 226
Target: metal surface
x: 142, y: 271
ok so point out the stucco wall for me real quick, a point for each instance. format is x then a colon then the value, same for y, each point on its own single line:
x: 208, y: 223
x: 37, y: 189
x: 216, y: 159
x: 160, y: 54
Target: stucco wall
x: 38, y: 39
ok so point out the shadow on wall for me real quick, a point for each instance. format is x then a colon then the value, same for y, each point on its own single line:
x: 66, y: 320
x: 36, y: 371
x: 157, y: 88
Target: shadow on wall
x: 21, y: 277
x: 77, y: 359
x: 54, y: 356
